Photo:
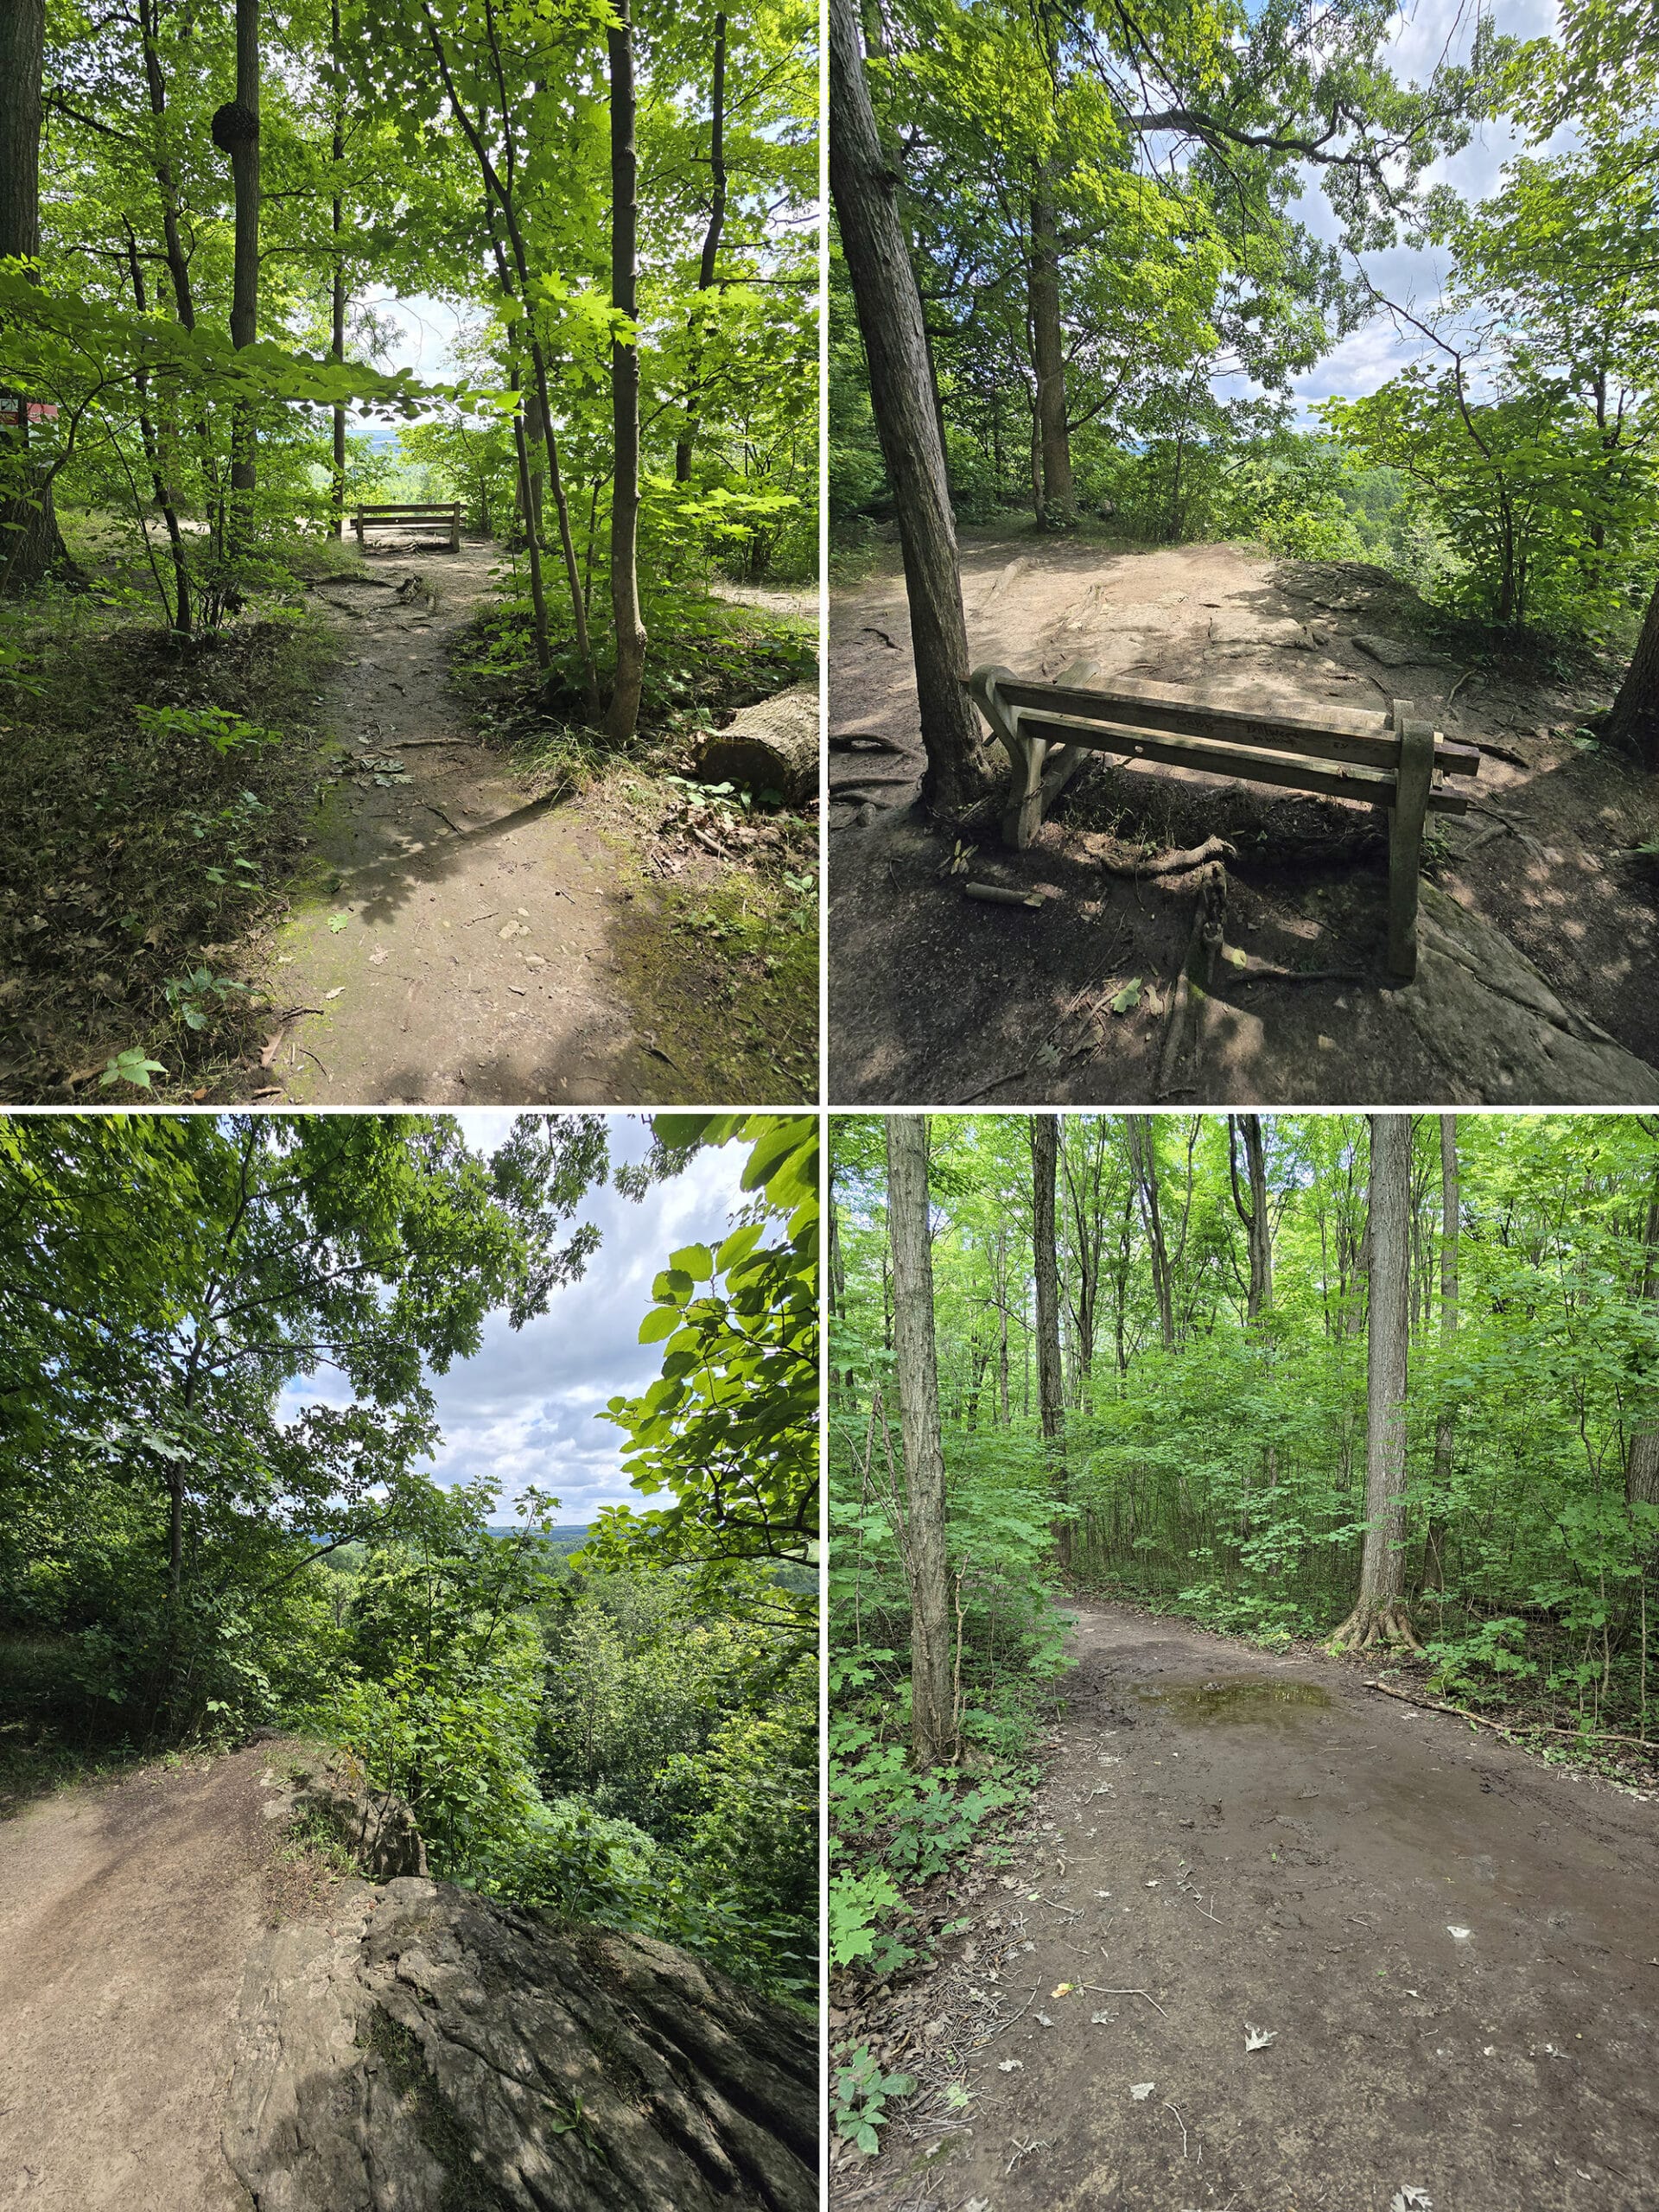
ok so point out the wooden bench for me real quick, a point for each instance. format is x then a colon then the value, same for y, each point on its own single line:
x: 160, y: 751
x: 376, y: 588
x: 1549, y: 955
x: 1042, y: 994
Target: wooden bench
x: 411, y: 517
x: 1396, y: 760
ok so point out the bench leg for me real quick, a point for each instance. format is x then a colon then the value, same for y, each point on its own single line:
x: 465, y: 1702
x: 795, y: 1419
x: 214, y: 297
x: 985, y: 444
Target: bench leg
x: 1412, y: 781
x: 1023, y: 816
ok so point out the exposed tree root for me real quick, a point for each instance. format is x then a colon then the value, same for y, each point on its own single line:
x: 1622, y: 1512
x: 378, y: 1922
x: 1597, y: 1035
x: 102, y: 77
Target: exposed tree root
x: 1171, y: 864
x: 1371, y: 1623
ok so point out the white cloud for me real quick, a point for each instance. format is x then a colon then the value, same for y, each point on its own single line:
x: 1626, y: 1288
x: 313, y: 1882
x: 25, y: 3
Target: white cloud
x: 524, y: 1409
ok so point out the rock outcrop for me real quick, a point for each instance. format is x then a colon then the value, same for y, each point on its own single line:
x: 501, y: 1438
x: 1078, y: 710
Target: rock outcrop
x: 430, y: 2051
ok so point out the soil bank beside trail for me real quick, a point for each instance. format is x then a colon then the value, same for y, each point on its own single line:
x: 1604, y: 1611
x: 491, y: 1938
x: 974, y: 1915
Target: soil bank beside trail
x: 126, y: 1912
x: 1454, y: 1947
x: 1541, y: 923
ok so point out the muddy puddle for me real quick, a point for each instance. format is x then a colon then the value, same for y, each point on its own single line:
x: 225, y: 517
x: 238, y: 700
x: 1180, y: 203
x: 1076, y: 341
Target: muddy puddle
x: 1241, y: 1698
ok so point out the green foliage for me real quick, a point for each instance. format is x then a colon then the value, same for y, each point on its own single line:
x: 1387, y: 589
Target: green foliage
x: 859, y: 2093
x: 730, y: 1429
x: 215, y: 726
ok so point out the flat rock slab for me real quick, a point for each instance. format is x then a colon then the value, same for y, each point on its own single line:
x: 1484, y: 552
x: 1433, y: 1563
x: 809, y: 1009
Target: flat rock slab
x: 433, y: 2049
x: 1478, y: 1002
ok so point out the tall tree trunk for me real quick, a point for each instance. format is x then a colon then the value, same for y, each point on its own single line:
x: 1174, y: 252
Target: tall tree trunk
x: 1381, y: 1612
x: 1642, y: 1462
x: 623, y: 715
x: 337, y: 286
x: 236, y: 132
x: 1440, y: 1513
x: 1633, y: 719
x: 1060, y: 504
x: 31, y: 547
x: 687, y: 438
x: 1051, y: 1390
x: 181, y: 615
x: 1143, y: 1162
x: 865, y: 187
x: 1258, y: 1227
x: 932, y: 1723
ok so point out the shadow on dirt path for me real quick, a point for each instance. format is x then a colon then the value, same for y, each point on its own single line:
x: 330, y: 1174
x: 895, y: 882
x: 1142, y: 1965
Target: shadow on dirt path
x: 1541, y: 892
x: 456, y: 938
x: 1452, y: 1948
x: 126, y: 1912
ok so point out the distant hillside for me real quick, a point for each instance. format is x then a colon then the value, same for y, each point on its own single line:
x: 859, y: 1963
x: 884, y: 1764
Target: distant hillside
x: 563, y: 1538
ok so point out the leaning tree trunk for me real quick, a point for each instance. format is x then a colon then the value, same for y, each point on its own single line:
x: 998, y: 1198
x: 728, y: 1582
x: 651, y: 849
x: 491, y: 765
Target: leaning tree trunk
x: 623, y: 711
x: 1633, y: 719
x: 933, y: 1717
x: 236, y: 132
x: 31, y: 547
x: 865, y: 189
x: 1051, y: 1390
x: 1380, y: 1613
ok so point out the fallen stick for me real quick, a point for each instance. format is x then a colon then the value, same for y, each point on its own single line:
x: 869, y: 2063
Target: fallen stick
x: 1095, y: 1990
x: 1514, y: 1727
x: 1458, y: 687
x: 1212, y: 849
x: 998, y: 895
x: 1262, y: 973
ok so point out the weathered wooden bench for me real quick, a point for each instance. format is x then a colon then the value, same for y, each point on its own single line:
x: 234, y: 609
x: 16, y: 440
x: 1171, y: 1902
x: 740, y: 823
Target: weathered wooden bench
x: 1396, y: 760
x: 411, y: 516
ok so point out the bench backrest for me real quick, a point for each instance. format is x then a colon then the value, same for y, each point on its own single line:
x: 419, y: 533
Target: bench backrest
x: 409, y: 513
x: 1343, y: 752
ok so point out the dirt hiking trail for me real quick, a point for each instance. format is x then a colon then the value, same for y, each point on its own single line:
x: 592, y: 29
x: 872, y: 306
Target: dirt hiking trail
x: 126, y: 1912
x: 1249, y: 1839
x: 1539, y: 924
x: 456, y: 938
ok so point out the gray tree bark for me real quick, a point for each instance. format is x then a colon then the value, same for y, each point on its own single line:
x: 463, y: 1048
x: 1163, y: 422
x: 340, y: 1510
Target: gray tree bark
x: 932, y: 1725
x: 1380, y: 1613
x: 1642, y: 1462
x: 31, y: 547
x: 1438, y: 1520
x: 1051, y: 1388
x: 623, y: 714
x: 1633, y: 719
x: 865, y: 189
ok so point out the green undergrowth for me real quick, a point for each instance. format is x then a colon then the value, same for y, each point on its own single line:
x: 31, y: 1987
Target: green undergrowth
x: 152, y: 796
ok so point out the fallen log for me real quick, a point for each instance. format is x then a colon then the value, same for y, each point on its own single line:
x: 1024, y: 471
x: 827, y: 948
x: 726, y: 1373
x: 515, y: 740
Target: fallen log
x: 770, y: 747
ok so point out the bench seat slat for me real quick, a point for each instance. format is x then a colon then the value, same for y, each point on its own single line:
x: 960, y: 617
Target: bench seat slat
x: 1332, y: 733
x: 1371, y: 785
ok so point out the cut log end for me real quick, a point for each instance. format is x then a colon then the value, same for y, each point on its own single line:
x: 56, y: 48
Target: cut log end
x: 771, y: 746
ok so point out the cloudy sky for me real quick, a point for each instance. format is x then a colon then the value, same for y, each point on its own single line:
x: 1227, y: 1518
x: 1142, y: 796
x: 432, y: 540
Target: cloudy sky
x: 522, y: 1411
x: 1425, y: 31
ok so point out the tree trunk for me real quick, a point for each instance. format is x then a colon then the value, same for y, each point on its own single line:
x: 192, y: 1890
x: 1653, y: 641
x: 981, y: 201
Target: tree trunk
x: 337, y: 291
x: 710, y: 249
x: 1059, y: 505
x: 1439, y: 1510
x: 31, y: 547
x: 932, y: 1723
x: 180, y: 616
x: 1642, y: 1463
x: 1258, y: 1227
x: 1381, y: 1612
x: 623, y: 715
x: 890, y: 317
x: 1633, y: 719
x: 1050, y: 1391
x: 236, y: 132
x: 1143, y: 1162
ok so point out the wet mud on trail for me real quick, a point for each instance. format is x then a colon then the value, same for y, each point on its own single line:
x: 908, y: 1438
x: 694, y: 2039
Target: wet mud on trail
x: 1452, y: 1948
x: 1539, y: 924
x: 458, y: 933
